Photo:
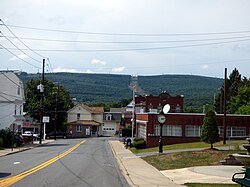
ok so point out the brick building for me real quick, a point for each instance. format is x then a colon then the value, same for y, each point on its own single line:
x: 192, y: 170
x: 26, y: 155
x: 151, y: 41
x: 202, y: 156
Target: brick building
x: 186, y: 127
x: 154, y: 103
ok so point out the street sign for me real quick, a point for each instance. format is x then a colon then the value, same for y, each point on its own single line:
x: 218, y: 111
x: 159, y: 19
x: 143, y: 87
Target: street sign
x: 45, y: 119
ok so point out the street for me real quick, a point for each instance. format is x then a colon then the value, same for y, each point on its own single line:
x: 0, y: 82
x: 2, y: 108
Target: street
x: 65, y: 162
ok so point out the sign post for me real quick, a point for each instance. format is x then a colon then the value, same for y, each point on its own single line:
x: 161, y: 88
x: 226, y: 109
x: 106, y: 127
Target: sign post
x: 45, y: 120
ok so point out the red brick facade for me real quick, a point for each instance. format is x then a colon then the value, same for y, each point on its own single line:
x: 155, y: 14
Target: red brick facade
x: 157, y: 102
x: 147, y: 122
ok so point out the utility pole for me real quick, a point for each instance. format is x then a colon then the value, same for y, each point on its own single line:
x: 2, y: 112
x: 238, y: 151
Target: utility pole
x: 41, y: 89
x: 57, y: 93
x: 225, y: 108
x: 133, y: 115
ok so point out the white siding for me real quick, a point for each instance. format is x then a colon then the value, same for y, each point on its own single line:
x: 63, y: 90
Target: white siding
x: 11, y: 99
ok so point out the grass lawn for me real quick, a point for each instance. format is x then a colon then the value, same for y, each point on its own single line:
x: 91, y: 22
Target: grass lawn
x: 210, y: 185
x: 235, y: 143
x: 187, y: 159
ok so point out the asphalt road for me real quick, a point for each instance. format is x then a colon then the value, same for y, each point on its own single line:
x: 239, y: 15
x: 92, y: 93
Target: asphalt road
x: 64, y: 162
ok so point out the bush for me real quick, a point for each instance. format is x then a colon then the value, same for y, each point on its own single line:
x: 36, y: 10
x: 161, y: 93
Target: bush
x: 141, y: 144
x: 1, y: 142
x: 138, y: 139
x: 6, y: 136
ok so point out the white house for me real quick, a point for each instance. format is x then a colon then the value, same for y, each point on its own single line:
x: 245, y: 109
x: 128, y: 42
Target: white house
x: 11, y: 100
x: 85, y: 121
x: 112, y: 121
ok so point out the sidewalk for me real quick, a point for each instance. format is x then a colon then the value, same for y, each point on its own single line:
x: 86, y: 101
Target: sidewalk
x: 9, y: 151
x: 136, y: 170
x: 140, y: 173
x: 203, y: 174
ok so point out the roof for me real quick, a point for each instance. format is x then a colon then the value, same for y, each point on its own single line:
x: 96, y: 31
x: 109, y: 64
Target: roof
x: 85, y: 122
x: 114, y: 116
x: 93, y: 110
x: 96, y: 109
x: 122, y: 110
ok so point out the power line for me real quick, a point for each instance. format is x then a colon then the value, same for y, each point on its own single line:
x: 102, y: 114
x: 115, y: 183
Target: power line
x: 173, y: 65
x: 20, y: 49
x: 9, y: 78
x: 135, y: 49
x: 20, y: 40
x: 130, y: 34
x: 127, y: 42
x: 5, y: 105
x: 19, y: 57
x: 7, y: 99
x: 12, y: 113
x: 9, y: 95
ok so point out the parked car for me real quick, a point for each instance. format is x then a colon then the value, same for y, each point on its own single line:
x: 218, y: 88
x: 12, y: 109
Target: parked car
x: 29, y: 134
x: 58, y: 135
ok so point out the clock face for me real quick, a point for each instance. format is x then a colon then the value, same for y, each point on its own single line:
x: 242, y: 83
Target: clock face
x: 161, y: 118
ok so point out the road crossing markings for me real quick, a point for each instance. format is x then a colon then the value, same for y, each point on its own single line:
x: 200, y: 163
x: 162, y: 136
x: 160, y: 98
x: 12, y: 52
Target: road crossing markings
x: 11, y: 180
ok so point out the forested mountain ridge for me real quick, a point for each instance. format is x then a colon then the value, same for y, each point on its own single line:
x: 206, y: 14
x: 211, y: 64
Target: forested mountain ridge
x: 110, y: 88
x: 197, y: 90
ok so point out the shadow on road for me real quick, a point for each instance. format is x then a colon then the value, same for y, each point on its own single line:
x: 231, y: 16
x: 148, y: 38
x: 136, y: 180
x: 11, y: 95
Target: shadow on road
x: 51, y: 145
x: 2, y: 175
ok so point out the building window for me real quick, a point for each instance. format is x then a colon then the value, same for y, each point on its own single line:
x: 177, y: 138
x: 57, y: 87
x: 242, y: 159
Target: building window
x: 18, y: 90
x: 178, y: 108
x: 193, y: 131
x: 174, y: 130
x: 108, y: 117
x: 233, y: 131
x: 142, y: 131
x: 79, y: 128
x: 169, y: 130
x: 78, y: 116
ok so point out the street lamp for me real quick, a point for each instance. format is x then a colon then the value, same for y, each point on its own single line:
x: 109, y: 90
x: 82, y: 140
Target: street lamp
x: 162, y: 119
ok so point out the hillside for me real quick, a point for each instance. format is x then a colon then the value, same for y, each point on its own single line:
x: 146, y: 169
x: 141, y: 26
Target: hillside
x: 90, y: 88
x: 108, y: 88
x: 197, y: 90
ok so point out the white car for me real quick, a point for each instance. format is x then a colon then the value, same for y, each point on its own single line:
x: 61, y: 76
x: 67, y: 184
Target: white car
x: 30, y: 133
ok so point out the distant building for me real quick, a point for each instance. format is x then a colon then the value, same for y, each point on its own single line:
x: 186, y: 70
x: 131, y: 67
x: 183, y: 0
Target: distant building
x: 85, y: 121
x: 154, y: 104
x: 11, y: 100
x: 111, y: 123
x: 30, y: 124
x: 151, y: 104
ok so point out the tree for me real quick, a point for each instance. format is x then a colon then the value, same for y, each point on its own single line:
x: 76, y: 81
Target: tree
x: 209, y: 131
x: 233, y: 84
x: 54, y: 94
x: 240, y: 104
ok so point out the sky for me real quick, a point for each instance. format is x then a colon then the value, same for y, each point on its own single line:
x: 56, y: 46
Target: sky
x: 135, y: 37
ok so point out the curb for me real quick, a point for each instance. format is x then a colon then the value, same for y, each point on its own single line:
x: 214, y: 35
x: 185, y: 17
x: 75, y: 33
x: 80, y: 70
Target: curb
x: 123, y: 168
x: 22, y: 149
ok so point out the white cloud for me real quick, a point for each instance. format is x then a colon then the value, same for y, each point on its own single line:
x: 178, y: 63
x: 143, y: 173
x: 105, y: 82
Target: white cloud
x: 21, y: 56
x: 118, y: 69
x: 89, y: 71
x: 59, y: 69
x: 98, y: 62
x: 205, y: 66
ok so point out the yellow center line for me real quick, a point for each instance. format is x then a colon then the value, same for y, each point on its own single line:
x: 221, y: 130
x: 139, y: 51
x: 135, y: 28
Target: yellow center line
x: 11, y: 180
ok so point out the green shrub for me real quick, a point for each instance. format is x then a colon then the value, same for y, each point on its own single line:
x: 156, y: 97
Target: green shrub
x: 138, y: 139
x: 6, y: 136
x: 141, y: 144
x: 1, y: 142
